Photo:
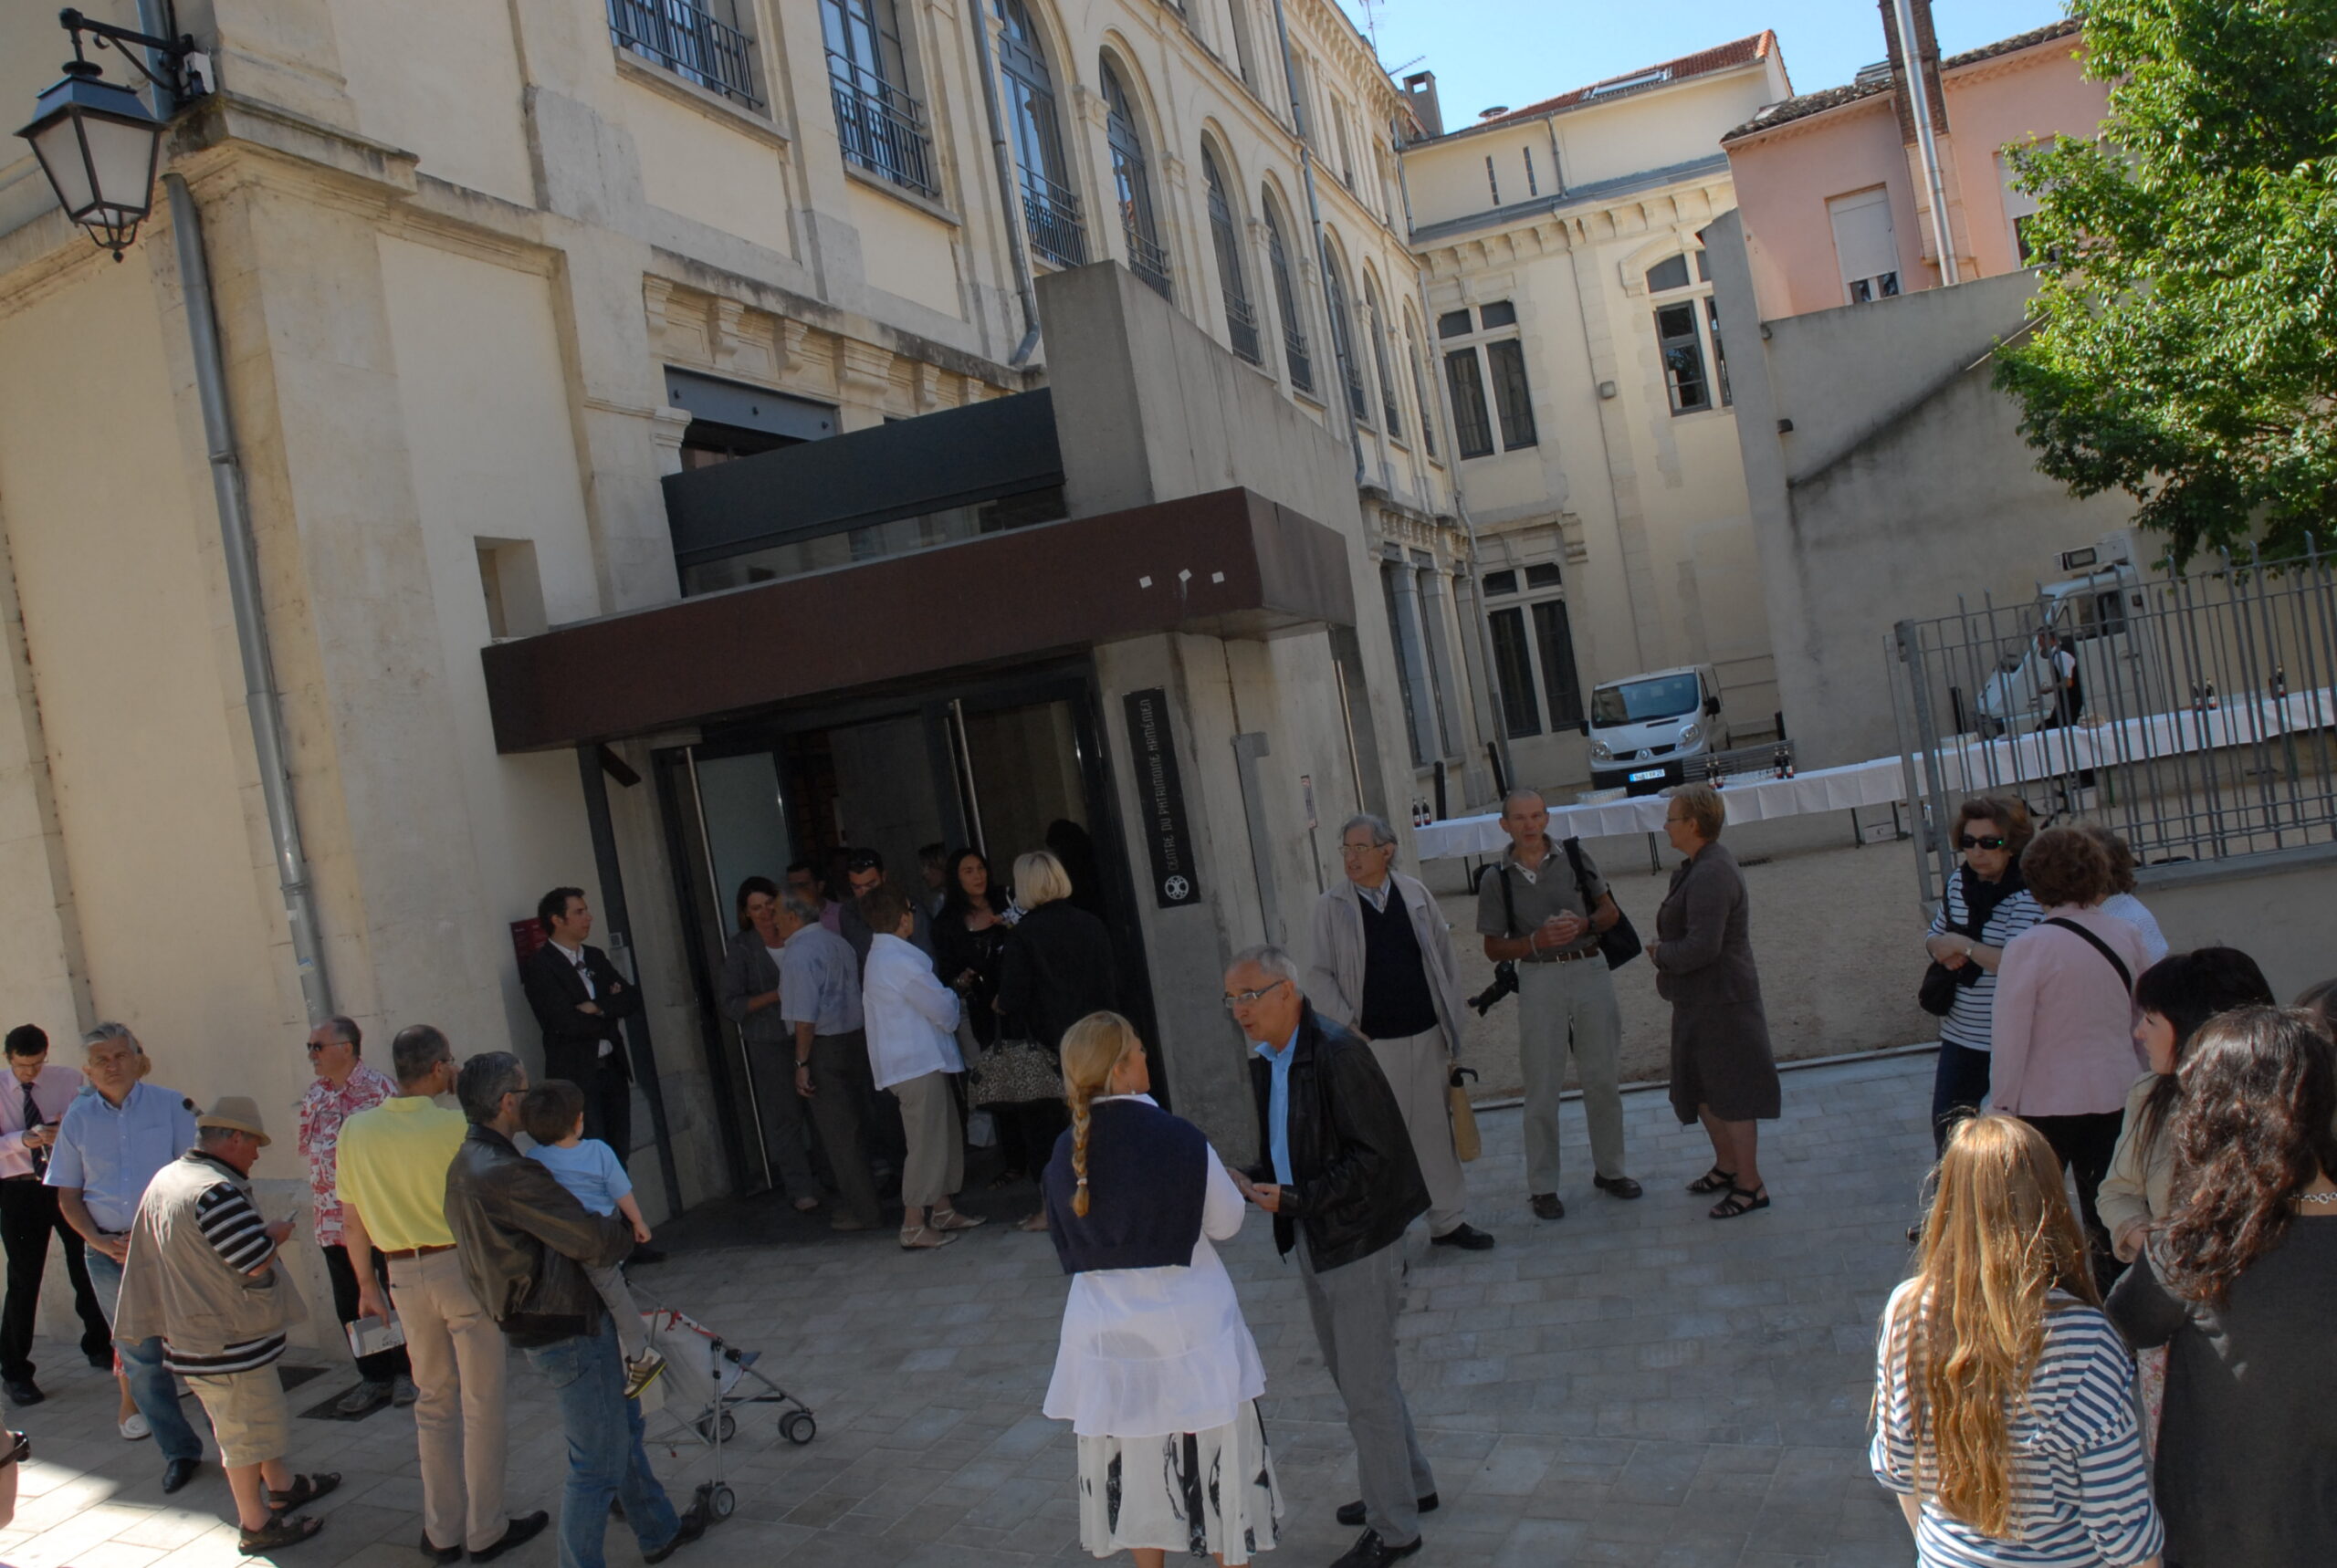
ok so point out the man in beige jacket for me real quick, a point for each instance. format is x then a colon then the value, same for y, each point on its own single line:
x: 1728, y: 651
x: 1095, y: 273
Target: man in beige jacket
x: 1383, y: 967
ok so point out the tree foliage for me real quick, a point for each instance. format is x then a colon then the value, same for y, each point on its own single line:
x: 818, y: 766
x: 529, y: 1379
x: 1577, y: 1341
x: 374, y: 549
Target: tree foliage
x: 2186, y: 347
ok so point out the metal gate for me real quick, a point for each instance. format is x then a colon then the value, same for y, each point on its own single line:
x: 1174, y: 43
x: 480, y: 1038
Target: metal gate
x: 2201, y: 727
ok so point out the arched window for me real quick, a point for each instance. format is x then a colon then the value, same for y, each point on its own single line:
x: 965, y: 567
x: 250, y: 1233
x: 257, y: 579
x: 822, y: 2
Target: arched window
x: 1420, y: 387
x: 1293, y: 329
x: 1389, y: 408
x: 1050, y: 206
x: 1342, y: 337
x: 1133, y: 177
x: 1225, y: 230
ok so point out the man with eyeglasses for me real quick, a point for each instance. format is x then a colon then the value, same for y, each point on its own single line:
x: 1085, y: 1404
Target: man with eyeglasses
x: 344, y: 1085
x: 1544, y: 912
x: 1337, y: 1172
x: 1383, y: 967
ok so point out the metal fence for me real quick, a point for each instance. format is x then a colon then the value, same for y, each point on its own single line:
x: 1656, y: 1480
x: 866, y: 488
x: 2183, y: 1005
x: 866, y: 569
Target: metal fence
x: 881, y: 127
x: 685, y: 38
x: 2200, y: 727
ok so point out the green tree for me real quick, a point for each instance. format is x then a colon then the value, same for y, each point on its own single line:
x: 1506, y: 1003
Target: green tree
x: 2185, y: 350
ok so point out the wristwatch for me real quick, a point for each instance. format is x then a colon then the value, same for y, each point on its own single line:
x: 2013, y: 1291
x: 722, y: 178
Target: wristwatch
x: 19, y: 1449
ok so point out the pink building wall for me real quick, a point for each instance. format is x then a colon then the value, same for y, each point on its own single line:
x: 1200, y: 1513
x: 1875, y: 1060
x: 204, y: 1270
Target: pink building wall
x: 1785, y: 175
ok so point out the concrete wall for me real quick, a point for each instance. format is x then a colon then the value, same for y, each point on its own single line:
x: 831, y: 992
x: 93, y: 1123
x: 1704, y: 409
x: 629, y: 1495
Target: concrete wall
x: 2274, y: 908
x: 1903, y: 483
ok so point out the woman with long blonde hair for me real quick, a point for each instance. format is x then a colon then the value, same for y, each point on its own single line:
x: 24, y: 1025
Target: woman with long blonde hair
x: 2003, y: 1409
x: 1155, y: 1371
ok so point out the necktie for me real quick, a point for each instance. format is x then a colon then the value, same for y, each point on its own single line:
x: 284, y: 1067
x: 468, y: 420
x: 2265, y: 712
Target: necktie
x: 32, y: 1120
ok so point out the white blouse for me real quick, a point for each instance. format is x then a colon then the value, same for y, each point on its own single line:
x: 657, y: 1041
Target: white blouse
x: 1148, y: 1351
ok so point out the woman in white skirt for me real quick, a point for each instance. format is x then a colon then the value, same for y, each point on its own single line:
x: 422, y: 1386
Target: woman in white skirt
x: 1157, y: 1372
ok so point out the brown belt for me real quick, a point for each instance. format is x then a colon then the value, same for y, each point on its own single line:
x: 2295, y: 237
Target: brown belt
x: 393, y: 1253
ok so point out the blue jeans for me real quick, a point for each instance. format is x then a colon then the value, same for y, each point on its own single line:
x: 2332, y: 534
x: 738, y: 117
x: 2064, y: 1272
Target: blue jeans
x: 605, y: 1453
x: 151, y: 1388
x: 1959, y: 1085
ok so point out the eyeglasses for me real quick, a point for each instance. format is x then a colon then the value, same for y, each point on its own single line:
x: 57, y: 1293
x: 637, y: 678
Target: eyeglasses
x: 315, y: 1046
x: 1993, y: 841
x: 1244, y: 999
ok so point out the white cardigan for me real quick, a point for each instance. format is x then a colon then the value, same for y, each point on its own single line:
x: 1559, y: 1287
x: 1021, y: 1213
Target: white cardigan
x: 911, y: 1017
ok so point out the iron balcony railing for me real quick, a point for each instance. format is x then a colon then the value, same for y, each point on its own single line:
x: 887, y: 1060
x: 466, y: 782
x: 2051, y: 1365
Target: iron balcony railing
x: 1146, y: 258
x: 681, y: 36
x: 1241, y: 326
x: 881, y: 127
x: 1052, y: 213
x: 1302, y: 364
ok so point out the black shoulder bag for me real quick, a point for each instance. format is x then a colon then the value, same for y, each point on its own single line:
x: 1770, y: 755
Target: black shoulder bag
x: 1619, y: 942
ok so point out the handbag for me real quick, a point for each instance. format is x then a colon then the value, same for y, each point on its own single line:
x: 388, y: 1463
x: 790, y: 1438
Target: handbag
x: 1936, y: 993
x: 1466, y: 1144
x: 1620, y: 941
x: 1015, y: 1070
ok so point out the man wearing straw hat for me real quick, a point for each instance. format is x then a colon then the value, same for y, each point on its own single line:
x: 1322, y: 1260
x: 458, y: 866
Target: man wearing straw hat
x: 201, y: 1274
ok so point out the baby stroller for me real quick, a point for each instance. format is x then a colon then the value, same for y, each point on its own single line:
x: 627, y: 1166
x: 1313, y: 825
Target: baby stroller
x: 706, y: 1379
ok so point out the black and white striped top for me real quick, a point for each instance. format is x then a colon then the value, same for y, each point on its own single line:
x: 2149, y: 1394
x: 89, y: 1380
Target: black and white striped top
x: 2081, y: 1485
x: 1971, y: 1022
x: 238, y: 1234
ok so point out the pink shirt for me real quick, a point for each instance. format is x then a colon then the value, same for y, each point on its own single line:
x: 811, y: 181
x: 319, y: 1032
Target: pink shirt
x: 53, y: 1090
x: 322, y: 1111
x: 2064, y: 1028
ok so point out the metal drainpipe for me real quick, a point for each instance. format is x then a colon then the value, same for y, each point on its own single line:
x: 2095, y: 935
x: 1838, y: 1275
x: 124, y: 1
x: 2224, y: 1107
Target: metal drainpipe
x: 243, y: 597
x: 1322, y: 241
x: 1919, y: 98
x: 1460, y: 505
x: 1002, y: 156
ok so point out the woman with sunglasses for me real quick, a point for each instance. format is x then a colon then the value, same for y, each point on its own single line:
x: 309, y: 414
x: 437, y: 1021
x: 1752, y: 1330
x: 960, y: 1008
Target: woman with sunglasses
x: 1988, y: 904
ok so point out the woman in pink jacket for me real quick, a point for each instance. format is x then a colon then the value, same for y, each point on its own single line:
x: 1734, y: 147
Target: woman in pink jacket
x: 2064, y: 1027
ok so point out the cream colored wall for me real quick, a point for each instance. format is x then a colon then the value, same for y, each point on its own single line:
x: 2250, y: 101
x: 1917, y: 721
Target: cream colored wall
x: 1662, y: 128
x: 440, y: 78
x: 909, y: 254
x: 699, y: 162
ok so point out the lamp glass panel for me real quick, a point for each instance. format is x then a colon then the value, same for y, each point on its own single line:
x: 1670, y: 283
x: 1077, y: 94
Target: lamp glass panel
x: 121, y: 156
x: 59, y: 144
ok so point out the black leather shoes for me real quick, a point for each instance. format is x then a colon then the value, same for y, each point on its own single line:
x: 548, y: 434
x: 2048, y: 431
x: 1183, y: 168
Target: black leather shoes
x: 177, y: 1473
x: 1351, y: 1513
x: 23, y: 1391
x: 517, y: 1533
x: 1371, y: 1551
x: 441, y: 1553
x: 1620, y: 1186
x: 1466, y: 1237
x: 693, y: 1526
x: 1547, y: 1206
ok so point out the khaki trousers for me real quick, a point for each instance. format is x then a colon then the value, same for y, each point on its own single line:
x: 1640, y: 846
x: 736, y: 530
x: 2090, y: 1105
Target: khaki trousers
x: 1418, y: 1068
x: 936, y: 1166
x: 1563, y: 1007
x: 457, y: 1354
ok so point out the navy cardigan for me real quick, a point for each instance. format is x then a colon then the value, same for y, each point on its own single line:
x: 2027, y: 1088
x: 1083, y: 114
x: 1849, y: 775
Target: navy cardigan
x: 1148, y: 1178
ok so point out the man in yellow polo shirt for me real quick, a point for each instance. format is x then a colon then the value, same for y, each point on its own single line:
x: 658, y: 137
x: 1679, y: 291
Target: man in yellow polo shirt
x: 393, y: 1181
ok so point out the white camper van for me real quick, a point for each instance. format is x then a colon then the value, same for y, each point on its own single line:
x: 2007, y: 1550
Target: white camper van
x: 2082, y: 615
x: 1643, y: 729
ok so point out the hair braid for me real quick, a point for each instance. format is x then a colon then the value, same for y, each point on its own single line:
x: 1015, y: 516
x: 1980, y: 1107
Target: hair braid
x: 1092, y: 1051
x: 1079, y: 1125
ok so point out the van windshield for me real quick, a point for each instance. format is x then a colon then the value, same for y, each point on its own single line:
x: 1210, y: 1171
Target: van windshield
x: 1638, y: 702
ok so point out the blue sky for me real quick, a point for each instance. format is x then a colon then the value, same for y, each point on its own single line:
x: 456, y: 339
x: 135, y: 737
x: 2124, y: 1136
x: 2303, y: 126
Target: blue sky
x: 1513, y: 52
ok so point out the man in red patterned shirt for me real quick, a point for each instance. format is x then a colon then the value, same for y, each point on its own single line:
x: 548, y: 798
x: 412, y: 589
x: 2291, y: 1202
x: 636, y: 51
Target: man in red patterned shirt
x: 344, y: 1086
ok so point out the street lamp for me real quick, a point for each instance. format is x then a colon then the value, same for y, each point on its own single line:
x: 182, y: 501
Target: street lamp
x: 96, y: 141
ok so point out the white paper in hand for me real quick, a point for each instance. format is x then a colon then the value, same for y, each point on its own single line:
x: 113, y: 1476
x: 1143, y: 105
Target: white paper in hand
x: 370, y: 1336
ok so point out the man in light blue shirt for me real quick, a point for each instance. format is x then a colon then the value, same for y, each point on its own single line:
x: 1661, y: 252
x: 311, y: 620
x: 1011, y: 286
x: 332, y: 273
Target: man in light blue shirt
x: 108, y: 1147
x: 1278, y: 1104
x: 818, y: 996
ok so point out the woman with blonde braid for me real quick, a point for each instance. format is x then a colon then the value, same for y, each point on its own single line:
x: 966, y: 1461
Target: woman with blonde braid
x: 2003, y: 1409
x: 1155, y: 1371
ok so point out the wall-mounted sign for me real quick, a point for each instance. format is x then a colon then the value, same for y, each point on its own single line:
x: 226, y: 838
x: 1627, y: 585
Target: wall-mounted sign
x: 1160, y: 800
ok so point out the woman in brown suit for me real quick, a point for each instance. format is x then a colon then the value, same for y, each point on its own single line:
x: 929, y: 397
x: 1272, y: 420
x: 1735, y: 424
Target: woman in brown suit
x: 1722, y: 1072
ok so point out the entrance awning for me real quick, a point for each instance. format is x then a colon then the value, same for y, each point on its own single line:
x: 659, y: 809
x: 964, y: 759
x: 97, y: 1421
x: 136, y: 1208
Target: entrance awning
x: 1229, y: 564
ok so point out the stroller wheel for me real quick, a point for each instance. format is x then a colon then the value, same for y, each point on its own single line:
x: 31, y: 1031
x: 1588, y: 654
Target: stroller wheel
x: 705, y: 1425
x: 723, y: 1502
x: 798, y: 1427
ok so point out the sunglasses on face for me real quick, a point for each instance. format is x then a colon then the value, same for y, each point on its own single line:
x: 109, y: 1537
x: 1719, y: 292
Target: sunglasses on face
x: 1993, y: 841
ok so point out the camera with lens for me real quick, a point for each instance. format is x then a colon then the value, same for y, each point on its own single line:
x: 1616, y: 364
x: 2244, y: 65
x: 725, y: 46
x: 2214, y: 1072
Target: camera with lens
x: 1504, y: 982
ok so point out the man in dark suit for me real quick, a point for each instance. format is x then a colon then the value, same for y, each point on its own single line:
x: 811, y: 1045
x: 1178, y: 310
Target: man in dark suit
x: 580, y: 1001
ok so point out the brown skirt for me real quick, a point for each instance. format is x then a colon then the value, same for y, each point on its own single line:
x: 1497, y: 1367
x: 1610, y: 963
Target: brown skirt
x: 1721, y: 1062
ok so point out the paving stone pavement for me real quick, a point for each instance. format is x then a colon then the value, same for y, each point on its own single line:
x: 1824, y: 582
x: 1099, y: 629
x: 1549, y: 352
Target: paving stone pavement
x: 1635, y: 1384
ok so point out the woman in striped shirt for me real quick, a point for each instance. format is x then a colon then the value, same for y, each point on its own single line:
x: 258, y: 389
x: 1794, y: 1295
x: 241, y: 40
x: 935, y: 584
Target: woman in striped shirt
x: 2004, y: 1417
x: 1986, y: 904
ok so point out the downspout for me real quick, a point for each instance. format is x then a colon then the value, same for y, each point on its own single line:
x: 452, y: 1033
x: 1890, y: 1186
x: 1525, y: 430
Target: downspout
x: 1004, y: 158
x: 1460, y: 505
x: 1919, y: 97
x: 242, y: 596
x: 1322, y: 242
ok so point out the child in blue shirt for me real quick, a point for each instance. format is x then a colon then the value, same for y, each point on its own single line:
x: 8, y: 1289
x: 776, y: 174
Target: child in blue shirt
x: 553, y: 1114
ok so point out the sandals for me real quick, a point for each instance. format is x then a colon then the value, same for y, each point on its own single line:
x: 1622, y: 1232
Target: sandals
x: 1713, y: 1180
x: 1739, y: 1201
x: 278, y: 1533
x: 950, y: 1219
x: 304, y: 1491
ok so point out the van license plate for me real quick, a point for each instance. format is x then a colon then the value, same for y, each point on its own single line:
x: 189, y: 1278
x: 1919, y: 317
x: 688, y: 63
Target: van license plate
x: 1644, y: 774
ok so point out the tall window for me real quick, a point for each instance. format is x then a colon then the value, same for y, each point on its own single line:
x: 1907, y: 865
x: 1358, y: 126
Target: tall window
x: 1133, y: 178
x: 1533, y: 650
x: 1342, y: 337
x: 1294, y: 328
x: 1407, y: 664
x: 689, y: 38
x: 1687, y: 335
x: 1420, y: 387
x: 1225, y: 232
x: 1473, y: 430
x: 1505, y: 363
x: 881, y: 125
x: 1521, y: 714
x: 1532, y: 184
x: 1561, y: 685
x: 1390, y: 409
x: 1493, y: 180
x: 1049, y: 208
x: 1502, y: 363
x: 1864, y: 246
x: 1244, y: 52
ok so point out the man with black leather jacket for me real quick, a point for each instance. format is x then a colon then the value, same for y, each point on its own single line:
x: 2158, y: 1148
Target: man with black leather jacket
x: 1337, y: 1171
x: 525, y: 1242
